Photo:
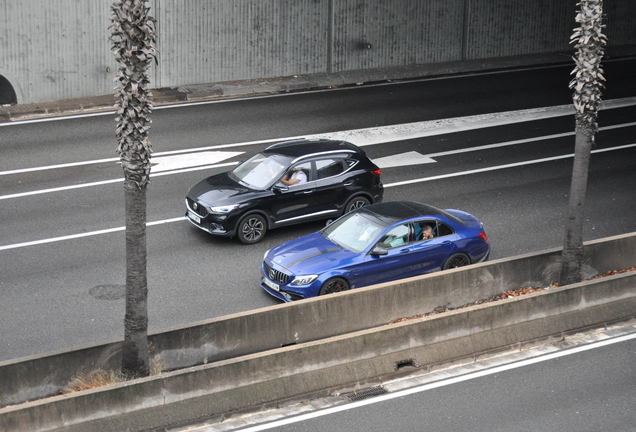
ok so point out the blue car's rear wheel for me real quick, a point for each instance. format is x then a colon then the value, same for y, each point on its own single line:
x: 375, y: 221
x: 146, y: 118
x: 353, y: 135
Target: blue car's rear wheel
x: 457, y: 260
x: 334, y: 285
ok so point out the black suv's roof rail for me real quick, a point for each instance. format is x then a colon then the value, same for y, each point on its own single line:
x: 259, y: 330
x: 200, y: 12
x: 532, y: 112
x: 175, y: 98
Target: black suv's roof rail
x: 301, y: 141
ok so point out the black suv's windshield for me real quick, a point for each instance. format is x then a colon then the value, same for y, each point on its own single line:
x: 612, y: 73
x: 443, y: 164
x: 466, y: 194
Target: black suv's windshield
x: 259, y: 171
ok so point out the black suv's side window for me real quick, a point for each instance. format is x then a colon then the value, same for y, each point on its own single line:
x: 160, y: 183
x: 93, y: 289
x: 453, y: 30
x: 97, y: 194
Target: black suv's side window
x: 329, y: 167
x: 298, y: 174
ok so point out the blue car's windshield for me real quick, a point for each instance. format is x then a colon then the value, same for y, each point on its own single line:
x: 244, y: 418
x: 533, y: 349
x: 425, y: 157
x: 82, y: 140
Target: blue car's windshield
x: 259, y: 171
x: 353, y: 231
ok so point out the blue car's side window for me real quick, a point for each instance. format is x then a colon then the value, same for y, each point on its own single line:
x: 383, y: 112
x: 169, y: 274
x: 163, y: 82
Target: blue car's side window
x: 395, y: 237
x: 424, y: 230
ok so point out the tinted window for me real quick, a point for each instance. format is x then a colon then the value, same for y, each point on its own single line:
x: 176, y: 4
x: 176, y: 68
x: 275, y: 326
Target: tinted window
x: 443, y: 229
x: 329, y: 167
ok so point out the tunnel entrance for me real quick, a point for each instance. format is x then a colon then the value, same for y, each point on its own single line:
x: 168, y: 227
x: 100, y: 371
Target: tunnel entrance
x: 7, y: 94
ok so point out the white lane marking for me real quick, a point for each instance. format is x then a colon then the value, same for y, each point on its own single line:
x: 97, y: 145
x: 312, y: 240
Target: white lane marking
x: 105, y: 182
x: 169, y: 163
x: 401, y: 183
x: 379, y: 135
x: 403, y: 159
x: 389, y: 164
x: 500, y: 167
x: 435, y: 385
x: 383, y: 134
x: 86, y: 234
x: 517, y: 142
x: 65, y: 165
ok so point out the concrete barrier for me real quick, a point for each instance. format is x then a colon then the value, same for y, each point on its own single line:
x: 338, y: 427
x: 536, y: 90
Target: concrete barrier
x: 255, y: 336
x: 356, y: 357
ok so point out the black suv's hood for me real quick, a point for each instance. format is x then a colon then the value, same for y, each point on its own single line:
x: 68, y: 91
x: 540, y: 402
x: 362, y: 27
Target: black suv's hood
x: 219, y: 189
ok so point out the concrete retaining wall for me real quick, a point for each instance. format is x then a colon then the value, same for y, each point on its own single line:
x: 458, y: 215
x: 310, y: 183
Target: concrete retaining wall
x: 237, y: 338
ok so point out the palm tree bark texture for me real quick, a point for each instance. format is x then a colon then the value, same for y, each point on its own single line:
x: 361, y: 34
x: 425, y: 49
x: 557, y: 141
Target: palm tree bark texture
x: 133, y: 43
x: 590, y: 44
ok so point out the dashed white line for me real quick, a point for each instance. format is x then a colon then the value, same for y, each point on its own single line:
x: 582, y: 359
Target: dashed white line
x: 86, y: 234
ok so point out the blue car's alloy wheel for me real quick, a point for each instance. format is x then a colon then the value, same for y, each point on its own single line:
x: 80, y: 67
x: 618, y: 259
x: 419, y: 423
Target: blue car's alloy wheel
x: 457, y: 260
x: 334, y: 285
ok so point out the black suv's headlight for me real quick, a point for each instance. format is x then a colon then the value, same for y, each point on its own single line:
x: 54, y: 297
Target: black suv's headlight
x: 223, y: 209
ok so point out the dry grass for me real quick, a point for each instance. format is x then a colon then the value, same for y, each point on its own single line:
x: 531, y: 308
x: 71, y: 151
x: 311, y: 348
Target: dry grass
x: 99, y: 378
x: 94, y: 379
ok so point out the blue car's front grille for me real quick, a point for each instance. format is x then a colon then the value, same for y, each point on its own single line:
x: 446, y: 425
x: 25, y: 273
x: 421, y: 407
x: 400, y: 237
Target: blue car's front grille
x: 275, y: 275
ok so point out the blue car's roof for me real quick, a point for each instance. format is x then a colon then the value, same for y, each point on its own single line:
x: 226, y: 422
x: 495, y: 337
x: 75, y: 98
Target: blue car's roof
x: 390, y: 212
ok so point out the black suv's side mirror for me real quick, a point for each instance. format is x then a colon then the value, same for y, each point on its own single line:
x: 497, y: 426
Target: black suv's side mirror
x: 280, y: 187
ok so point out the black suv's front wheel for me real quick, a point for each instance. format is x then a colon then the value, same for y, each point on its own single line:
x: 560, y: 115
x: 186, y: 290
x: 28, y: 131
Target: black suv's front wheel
x: 252, y: 229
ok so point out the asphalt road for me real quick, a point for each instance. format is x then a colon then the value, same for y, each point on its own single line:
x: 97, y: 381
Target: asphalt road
x: 589, y: 390
x: 62, y: 248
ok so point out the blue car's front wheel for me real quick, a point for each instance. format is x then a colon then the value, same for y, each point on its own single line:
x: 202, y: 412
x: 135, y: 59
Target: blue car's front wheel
x: 334, y: 285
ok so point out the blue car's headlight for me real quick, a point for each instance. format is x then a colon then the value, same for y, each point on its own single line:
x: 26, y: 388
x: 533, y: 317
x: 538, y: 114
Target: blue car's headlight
x: 223, y: 209
x: 304, y: 279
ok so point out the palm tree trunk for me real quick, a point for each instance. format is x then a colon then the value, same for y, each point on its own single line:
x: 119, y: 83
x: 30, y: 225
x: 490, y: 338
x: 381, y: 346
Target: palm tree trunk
x: 133, y: 40
x: 572, y: 258
x: 135, y: 361
x: 590, y: 44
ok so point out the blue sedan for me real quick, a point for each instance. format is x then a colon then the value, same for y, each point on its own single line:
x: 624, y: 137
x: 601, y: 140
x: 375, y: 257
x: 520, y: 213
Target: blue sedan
x: 374, y: 244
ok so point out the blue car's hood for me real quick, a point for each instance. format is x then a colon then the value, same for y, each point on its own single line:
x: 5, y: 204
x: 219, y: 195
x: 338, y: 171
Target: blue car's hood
x: 310, y: 254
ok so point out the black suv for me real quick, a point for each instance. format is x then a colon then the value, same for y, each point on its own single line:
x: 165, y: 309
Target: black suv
x: 288, y: 183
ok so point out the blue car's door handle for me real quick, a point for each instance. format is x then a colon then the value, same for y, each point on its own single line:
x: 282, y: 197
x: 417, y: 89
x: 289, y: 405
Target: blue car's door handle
x: 447, y: 242
x: 405, y: 251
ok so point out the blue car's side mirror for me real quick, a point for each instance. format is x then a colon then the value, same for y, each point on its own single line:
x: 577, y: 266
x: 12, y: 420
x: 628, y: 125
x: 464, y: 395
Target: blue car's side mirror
x: 379, y: 250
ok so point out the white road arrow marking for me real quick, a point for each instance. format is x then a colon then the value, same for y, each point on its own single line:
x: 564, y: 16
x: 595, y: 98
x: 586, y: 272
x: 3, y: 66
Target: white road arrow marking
x: 403, y: 159
x: 169, y: 163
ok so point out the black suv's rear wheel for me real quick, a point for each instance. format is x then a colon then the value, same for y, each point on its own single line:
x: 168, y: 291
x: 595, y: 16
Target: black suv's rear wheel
x: 252, y: 229
x: 356, y: 203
